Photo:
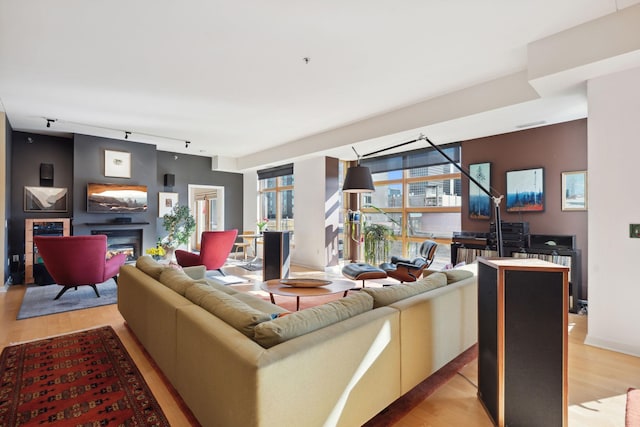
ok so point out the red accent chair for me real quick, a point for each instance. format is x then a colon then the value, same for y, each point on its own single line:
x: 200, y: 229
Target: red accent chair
x: 74, y: 261
x: 215, y: 247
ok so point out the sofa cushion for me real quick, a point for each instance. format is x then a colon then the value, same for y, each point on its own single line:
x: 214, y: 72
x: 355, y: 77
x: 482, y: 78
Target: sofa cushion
x: 150, y: 267
x: 390, y: 294
x: 198, y: 291
x: 284, y: 328
x: 222, y: 288
x: 456, y: 275
x: 176, y: 280
x: 259, y: 303
x: 453, y: 275
x: 232, y: 311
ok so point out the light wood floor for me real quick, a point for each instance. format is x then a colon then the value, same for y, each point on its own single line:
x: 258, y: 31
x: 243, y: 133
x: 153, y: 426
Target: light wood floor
x: 598, y: 379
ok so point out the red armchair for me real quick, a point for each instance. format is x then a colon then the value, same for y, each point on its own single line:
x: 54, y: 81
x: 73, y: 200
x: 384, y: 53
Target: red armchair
x: 74, y: 261
x: 215, y: 247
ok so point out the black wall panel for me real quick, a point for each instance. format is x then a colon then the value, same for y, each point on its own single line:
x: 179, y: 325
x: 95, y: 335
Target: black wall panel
x: 27, y: 152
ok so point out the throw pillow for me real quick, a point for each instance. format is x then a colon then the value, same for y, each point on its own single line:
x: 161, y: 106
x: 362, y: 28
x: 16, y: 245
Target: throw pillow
x: 390, y: 294
x: 302, y: 322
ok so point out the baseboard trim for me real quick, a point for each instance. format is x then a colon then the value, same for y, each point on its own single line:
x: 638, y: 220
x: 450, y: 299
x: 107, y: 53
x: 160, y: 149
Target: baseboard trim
x: 612, y: 345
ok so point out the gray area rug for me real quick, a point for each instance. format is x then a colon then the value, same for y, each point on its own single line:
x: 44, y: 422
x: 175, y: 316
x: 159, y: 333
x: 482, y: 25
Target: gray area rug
x: 39, y: 300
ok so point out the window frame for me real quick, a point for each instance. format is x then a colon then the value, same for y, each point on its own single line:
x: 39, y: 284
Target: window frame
x: 404, y: 210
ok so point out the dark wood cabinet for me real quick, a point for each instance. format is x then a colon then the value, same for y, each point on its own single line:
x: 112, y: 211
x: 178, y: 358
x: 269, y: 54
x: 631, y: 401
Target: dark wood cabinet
x: 522, y: 341
x: 276, y: 257
x: 42, y: 227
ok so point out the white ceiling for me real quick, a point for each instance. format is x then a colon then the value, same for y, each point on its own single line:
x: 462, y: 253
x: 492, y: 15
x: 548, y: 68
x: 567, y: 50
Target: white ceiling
x: 230, y: 76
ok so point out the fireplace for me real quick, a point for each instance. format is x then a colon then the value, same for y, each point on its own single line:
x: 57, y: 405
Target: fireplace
x: 128, y: 242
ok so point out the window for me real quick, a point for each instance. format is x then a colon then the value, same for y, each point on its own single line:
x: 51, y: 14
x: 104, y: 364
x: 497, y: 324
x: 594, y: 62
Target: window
x: 420, y: 195
x: 276, y: 197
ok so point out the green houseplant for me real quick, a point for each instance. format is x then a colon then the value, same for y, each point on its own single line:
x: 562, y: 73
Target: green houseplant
x: 377, y: 242
x: 180, y: 225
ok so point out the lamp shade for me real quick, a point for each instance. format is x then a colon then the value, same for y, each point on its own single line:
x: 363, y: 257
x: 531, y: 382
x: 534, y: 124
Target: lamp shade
x: 358, y: 180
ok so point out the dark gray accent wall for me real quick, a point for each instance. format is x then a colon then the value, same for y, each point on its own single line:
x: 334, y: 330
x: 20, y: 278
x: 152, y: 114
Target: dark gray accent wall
x: 27, y: 152
x: 7, y: 195
x: 88, y: 159
x: 80, y: 160
x: 189, y: 169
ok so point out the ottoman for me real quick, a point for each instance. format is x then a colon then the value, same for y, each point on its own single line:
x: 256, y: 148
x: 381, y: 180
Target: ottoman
x: 362, y: 271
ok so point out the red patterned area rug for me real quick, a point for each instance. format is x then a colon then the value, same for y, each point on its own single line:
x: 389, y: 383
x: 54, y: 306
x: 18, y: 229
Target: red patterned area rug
x: 401, y: 407
x: 85, y: 378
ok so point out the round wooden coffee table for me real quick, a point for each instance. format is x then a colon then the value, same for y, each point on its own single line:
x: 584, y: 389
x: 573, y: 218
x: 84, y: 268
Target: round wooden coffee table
x: 275, y: 287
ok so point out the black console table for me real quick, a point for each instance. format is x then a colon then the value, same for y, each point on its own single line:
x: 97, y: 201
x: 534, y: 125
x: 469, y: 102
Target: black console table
x: 558, y: 249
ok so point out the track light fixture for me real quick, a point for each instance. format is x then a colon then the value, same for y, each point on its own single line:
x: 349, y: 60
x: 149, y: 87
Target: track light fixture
x: 127, y: 133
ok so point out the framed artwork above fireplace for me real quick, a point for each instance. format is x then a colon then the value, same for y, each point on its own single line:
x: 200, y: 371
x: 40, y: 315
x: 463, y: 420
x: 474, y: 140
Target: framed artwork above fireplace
x: 117, y: 164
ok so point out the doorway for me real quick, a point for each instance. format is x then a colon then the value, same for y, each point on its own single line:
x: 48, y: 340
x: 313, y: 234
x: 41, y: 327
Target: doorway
x: 207, y: 205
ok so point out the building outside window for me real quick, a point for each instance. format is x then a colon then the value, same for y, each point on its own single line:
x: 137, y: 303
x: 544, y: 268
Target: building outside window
x: 417, y: 203
x: 276, y: 202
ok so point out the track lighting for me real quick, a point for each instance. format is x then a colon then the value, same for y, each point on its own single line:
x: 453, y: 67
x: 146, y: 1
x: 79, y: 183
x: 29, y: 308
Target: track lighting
x: 127, y: 133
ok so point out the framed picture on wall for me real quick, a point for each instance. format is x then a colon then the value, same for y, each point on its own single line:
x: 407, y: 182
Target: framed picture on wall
x: 574, y: 191
x: 479, y: 201
x: 525, y: 190
x: 166, y: 203
x: 45, y: 199
x: 117, y: 164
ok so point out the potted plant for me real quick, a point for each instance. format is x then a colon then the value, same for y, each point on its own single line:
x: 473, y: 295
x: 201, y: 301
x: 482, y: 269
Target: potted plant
x: 262, y: 224
x: 377, y: 242
x: 180, y: 225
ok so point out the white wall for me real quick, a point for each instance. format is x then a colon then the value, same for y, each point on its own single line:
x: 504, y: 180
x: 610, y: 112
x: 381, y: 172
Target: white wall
x: 250, y: 200
x: 313, y: 213
x: 614, y: 203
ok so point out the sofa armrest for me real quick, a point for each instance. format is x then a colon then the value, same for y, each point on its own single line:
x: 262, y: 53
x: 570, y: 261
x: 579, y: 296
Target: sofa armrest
x: 196, y: 272
x: 436, y: 326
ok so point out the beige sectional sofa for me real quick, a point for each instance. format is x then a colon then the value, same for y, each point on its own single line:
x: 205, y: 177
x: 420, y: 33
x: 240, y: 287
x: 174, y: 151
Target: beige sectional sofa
x: 237, y: 360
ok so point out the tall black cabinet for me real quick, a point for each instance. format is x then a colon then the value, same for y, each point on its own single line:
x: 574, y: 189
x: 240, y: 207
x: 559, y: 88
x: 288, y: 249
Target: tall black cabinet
x: 522, y: 341
x: 276, y: 259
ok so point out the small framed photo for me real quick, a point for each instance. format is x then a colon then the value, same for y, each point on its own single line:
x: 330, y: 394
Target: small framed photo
x: 166, y: 202
x: 117, y: 164
x: 574, y: 191
x: 525, y: 190
x: 479, y: 201
x: 45, y: 199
